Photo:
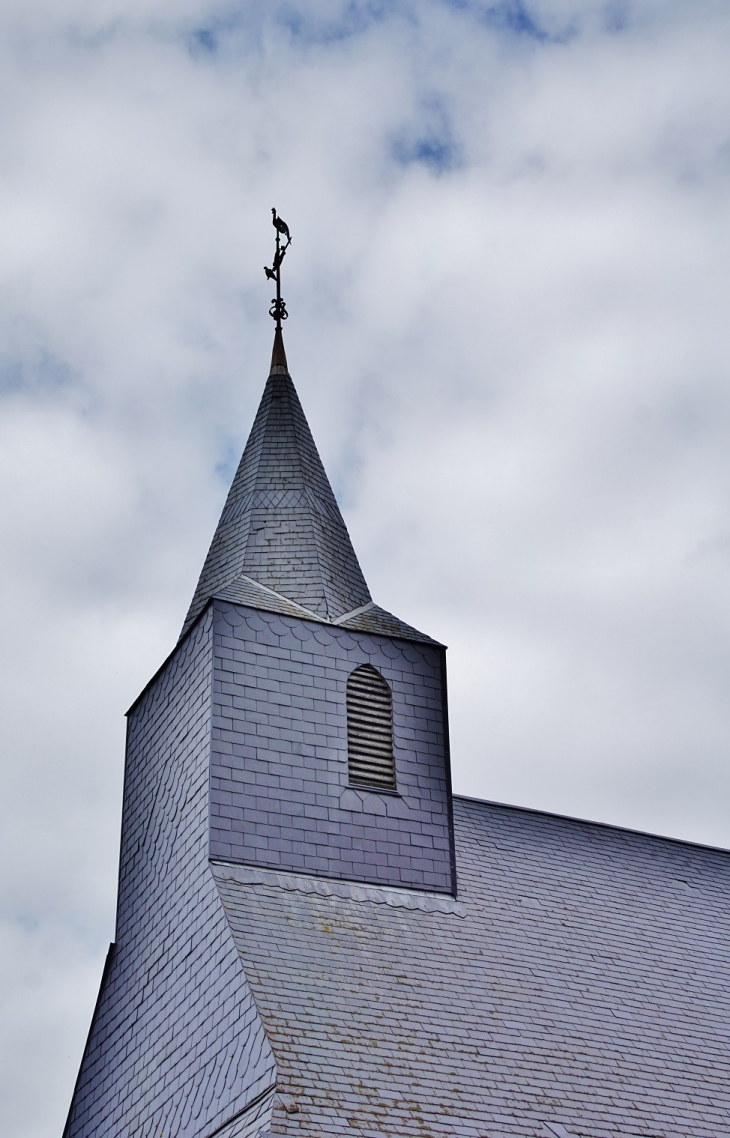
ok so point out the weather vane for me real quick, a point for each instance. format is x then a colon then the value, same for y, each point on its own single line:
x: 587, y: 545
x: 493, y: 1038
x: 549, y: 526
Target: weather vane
x: 278, y: 308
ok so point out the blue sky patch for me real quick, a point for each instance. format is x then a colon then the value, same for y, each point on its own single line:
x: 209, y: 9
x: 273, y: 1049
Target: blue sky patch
x: 205, y: 39
x: 430, y: 143
x: 41, y: 371
x: 353, y: 19
x: 512, y: 17
x: 437, y: 153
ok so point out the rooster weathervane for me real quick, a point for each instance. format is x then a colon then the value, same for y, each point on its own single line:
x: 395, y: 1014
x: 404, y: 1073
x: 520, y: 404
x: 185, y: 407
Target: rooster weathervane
x: 278, y: 308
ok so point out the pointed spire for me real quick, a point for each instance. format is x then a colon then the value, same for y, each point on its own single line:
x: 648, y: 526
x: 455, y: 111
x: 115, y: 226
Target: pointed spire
x: 281, y: 544
x: 281, y: 525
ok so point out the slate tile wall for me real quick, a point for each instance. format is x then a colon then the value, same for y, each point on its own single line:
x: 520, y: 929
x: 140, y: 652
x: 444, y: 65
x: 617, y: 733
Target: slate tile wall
x: 279, y: 774
x: 176, y: 1047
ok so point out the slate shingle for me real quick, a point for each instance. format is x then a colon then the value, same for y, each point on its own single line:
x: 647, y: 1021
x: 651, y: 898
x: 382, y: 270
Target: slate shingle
x: 279, y: 789
x: 578, y: 985
x: 176, y: 1046
x: 281, y: 525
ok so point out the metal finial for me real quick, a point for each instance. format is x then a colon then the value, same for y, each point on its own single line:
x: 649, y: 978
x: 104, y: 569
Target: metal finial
x: 278, y: 308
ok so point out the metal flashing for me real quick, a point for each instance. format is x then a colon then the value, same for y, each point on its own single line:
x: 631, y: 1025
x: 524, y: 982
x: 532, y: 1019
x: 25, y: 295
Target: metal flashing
x: 342, y: 890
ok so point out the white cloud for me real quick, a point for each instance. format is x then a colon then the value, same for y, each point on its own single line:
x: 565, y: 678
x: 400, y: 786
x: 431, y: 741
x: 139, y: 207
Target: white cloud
x: 507, y: 289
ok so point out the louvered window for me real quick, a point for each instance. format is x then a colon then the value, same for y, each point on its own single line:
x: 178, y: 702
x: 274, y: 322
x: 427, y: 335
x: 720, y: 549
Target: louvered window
x: 370, y: 729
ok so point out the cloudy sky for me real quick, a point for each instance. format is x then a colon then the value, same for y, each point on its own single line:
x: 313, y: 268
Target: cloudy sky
x: 508, y: 296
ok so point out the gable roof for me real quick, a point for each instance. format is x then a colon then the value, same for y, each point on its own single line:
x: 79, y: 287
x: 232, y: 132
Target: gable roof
x: 281, y: 526
x: 578, y: 985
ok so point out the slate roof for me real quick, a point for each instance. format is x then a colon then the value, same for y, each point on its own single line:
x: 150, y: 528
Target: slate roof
x: 368, y: 618
x: 281, y: 525
x: 375, y: 619
x: 578, y: 985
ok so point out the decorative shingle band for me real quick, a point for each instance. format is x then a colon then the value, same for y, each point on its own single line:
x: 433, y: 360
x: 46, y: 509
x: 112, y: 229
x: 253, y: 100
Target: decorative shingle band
x: 370, y: 729
x: 267, y: 879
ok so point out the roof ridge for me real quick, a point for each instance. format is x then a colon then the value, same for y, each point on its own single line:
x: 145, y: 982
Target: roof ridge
x: 355, y: 612
x: 592, y: 822
x: 245, y: 577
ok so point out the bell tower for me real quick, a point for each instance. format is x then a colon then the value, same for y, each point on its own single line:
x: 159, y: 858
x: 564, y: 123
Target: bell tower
x: 308, y: 774
x: 296, y: 727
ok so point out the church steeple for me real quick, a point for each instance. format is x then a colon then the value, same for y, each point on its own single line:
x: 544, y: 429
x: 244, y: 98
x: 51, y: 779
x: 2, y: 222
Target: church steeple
x: 297, y: 730
x: 281, y: 544
x: 281, y: 527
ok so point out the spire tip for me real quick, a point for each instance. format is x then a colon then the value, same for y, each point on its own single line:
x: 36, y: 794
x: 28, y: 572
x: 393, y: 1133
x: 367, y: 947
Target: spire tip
x: 278, y: 356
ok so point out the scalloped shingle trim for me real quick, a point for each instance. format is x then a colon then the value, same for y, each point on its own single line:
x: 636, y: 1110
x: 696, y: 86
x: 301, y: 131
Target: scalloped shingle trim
x: 345, y: 890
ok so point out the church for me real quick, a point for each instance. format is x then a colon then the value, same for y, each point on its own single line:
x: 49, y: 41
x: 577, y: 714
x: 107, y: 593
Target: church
x: 316, y: 938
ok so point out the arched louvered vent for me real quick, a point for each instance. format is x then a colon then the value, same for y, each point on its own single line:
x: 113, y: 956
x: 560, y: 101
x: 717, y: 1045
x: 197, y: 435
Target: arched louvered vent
x: 370, y: 729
